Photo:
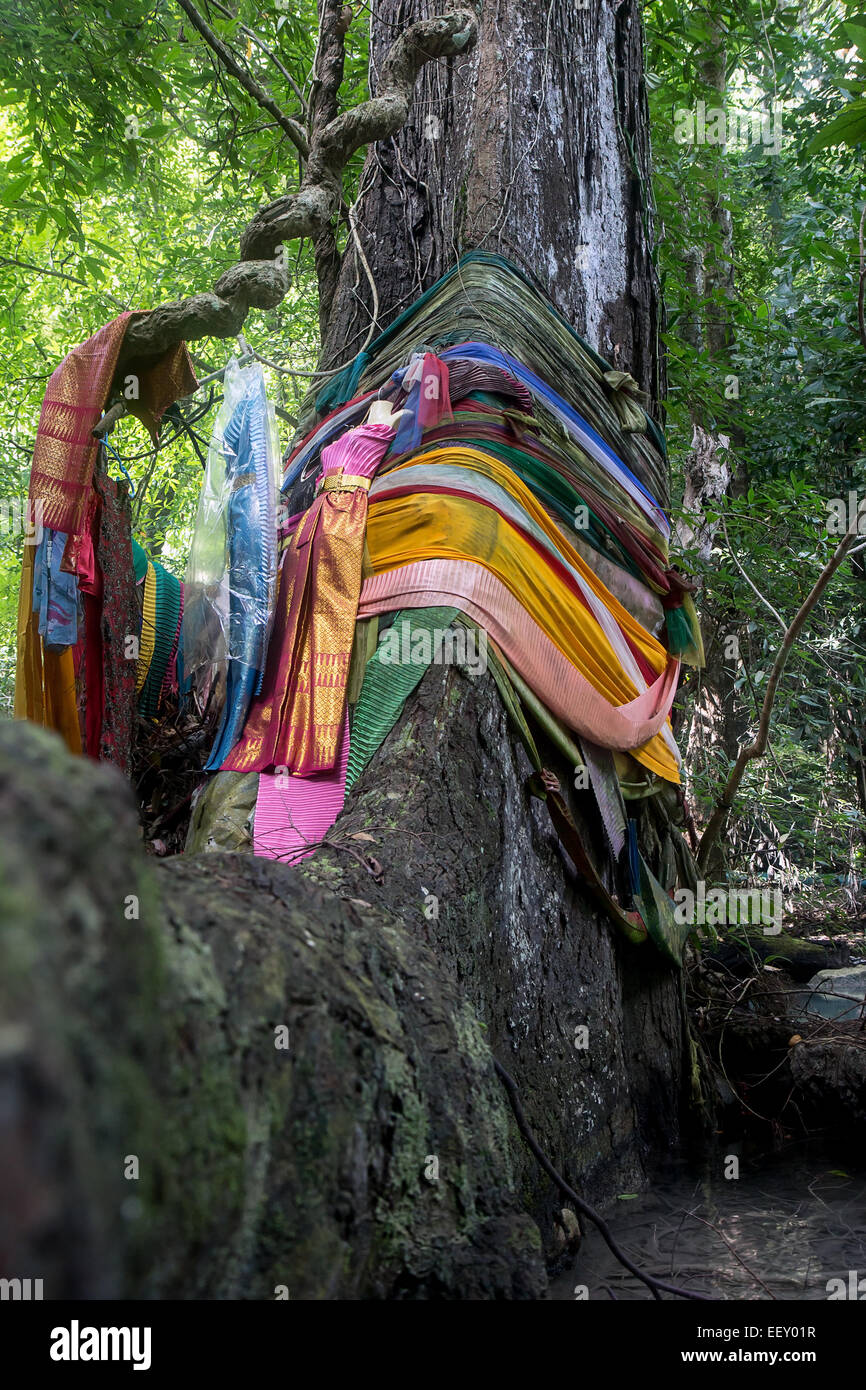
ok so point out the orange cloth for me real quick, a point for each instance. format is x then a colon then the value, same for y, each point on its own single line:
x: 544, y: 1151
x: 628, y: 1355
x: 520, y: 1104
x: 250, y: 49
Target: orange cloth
x: 44, y: 681
x: 434, y: 526
x: 61, y: 496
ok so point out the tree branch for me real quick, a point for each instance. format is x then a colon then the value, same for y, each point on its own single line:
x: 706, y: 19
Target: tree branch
x: 381, y: 116
x: 259, y: 280
x: 254, y: 38
x: 385, y: 113
x: 295, y: 132
x: 60, y: 275
x: 329, y: 64
x: 757, y: 748
x: 752, y: 585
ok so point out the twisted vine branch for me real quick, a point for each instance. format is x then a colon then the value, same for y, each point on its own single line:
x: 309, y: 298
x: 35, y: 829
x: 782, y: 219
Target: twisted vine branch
x: 259, y: 280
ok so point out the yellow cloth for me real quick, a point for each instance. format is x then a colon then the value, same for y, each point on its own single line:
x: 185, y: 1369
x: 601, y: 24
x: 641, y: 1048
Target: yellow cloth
x: 428, y: 526
x: 500, y: 473
x: 44, y: 681
x: 297, y: 719
x: 148, y: 628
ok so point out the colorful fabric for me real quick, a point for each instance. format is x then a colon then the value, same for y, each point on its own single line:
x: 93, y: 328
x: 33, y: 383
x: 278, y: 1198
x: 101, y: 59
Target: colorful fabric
x: 595, y: 633
x: 464, y: 378
x: 45, y: 688
x: 633, y: 726
x: 251, y: 533
x: 106, y: 683
x: 147, y: 635
x: 55, y: 594
x: 139, y: 561
x: 524, y: 491
x: 388, y: 684
x: 427, y: 403
x: 160, y: 631
x: 293, y: 814
x: 573, y: 452
x: 65, y: 453
x: 456, y: 473
x: 581, y: 430
x: 485, y: 298
x: 296, y: 720
x: 170, y: 681
x: 65, y: 496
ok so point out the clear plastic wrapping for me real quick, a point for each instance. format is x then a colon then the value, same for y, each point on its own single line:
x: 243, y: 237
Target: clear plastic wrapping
x: 232, y: 567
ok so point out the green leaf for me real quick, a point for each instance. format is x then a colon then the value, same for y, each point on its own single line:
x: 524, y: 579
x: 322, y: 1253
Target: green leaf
x: 109, y: 250
x: 848, y: 128
x: 12, y: 192
x: 856, y: 32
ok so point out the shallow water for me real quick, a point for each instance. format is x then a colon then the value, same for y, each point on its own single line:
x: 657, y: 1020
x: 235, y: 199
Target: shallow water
x: 788, y: 1224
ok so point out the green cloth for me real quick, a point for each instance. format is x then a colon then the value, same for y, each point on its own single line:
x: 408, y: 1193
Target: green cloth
x: 139, y: 561
x: 168, y: 600
x: 476, y: 301
x: 387, y: 686
x: 657, y: 911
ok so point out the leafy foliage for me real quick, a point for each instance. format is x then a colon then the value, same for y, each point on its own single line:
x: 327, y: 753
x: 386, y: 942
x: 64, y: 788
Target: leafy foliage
x: 787, y: 392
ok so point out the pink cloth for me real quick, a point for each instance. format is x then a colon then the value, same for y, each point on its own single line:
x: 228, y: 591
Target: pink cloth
x: 485, y: 599
x: 293, y: 814
x: 358, y: 452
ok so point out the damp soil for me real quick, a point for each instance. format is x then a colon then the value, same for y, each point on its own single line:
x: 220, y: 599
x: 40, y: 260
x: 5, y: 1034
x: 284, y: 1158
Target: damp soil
x: 792, y: 1221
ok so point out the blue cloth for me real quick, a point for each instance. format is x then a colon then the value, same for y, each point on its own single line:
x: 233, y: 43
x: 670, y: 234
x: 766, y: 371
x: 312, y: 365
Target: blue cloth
x: 409, y: 433
x: 251, y: 524
x: 55, y: 593
x: 633, y: 858
x: 581, y: 428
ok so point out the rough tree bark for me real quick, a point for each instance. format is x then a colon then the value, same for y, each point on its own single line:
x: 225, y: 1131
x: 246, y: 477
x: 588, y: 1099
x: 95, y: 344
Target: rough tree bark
x: 535, y: 144
x: 310, y: 1168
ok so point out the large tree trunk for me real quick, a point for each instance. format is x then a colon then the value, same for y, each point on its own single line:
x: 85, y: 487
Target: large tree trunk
x: 535, y: 145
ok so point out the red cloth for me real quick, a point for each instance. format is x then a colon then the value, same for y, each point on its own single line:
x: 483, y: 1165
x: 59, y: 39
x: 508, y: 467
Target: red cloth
x: 107, y: 692
x: 65, y: 452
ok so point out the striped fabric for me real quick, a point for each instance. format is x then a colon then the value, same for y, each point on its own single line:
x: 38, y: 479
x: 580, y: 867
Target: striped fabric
x: 486, y: 482
x: 293, y: 814
x: 388, y: 685
x: 637, y: 726
x: 160, y: 632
